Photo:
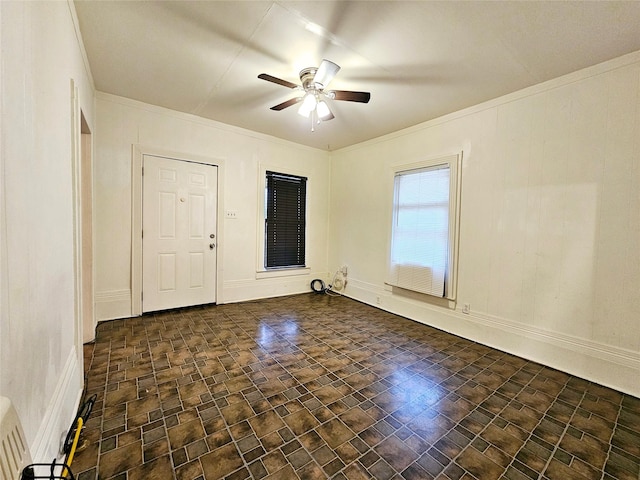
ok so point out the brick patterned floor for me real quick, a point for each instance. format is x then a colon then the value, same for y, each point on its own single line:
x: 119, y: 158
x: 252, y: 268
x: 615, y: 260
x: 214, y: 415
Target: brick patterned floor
x: 314, y: 387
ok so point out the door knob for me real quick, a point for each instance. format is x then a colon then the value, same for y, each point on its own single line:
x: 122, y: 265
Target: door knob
x: 211, y: 246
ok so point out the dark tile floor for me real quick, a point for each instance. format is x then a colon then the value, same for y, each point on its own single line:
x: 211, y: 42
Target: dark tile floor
x: 315, y: 387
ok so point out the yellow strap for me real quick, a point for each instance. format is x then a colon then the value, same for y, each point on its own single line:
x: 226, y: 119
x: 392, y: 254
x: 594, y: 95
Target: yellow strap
x: 69, y: 458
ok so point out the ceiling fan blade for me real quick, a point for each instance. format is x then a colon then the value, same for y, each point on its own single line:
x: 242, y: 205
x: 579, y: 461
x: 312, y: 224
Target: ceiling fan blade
x: 325, y: 73
x: 286, y: 104
x: 279, y: 81
x: 350, y: 96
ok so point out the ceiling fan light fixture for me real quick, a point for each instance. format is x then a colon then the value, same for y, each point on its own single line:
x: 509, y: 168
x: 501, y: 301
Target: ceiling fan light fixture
x: 323, y: 111
x: 308, y: 105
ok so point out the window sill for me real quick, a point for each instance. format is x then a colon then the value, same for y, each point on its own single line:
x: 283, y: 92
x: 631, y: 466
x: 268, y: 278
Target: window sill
x: 282, y: 272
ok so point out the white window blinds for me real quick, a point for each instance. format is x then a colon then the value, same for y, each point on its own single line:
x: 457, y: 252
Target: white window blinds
x: 420, y: 238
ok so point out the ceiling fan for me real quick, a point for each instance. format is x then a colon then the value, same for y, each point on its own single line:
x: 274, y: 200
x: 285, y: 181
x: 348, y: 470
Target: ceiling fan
x: 313, y: 92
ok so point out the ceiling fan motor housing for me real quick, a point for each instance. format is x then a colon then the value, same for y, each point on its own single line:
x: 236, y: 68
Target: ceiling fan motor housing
x: 306, y: 78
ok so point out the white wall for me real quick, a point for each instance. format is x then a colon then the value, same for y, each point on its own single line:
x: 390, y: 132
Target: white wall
x: 123, y: 123
x: 549, y: 257
x: 550, y: 232
x: 40, y: 369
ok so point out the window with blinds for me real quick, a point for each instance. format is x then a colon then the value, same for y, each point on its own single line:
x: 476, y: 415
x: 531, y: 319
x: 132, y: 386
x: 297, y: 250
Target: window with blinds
x: 423, y: 230
x: 285, y: 220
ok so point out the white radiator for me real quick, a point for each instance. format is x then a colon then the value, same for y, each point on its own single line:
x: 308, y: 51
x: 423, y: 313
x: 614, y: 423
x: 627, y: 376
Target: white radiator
x: 14, y: 453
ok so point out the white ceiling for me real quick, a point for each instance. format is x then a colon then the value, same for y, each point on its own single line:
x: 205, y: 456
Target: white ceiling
x: 419, y: 59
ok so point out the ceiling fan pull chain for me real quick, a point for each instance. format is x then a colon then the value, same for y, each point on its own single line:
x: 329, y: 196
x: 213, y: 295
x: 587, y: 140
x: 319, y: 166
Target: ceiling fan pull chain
x: 315, y: 110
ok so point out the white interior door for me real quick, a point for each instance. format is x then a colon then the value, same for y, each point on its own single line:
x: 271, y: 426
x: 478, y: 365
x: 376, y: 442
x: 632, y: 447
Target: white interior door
x: 179, y: 233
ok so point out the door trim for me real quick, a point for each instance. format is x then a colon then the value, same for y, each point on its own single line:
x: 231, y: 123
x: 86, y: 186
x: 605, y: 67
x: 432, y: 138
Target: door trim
x: 138, y: 153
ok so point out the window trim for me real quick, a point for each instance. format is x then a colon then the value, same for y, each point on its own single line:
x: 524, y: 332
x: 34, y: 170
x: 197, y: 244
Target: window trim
x: 261, y: 270
x: 454, y: 162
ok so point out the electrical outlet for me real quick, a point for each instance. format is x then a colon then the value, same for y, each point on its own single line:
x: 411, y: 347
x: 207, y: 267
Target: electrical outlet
x: 344, y: 270
x: 378, y: 299
x: 231, y: 214
x: 466, y: 308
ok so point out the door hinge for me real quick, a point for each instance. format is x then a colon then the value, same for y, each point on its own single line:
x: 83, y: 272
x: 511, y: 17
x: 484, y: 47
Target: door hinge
x: 142, y: 233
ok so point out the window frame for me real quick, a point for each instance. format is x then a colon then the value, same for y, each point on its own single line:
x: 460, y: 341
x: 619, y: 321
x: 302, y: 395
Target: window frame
x: 454, y: 163
x: 261, y: 270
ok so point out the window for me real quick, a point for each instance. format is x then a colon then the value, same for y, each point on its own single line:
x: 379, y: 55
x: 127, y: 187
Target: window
x: 423, y: 235
x: 285, y: 207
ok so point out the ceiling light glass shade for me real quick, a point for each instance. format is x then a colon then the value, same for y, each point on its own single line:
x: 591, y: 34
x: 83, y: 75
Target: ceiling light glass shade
x: 308, y: 105
x: 323, y: 111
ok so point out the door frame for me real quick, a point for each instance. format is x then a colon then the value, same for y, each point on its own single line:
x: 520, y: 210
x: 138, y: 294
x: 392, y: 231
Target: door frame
x: 83, y: 237
x: 138, y: 153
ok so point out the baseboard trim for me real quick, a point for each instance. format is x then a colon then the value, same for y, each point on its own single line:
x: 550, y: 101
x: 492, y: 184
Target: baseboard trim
x: 253, y: 289
x: 607, y: 353
x: 113, y: 304
x: 60, y: 412
x: 606, y: 365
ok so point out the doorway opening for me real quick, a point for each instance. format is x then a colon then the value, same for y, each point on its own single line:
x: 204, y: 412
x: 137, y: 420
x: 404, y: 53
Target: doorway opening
x: 86, y: 232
